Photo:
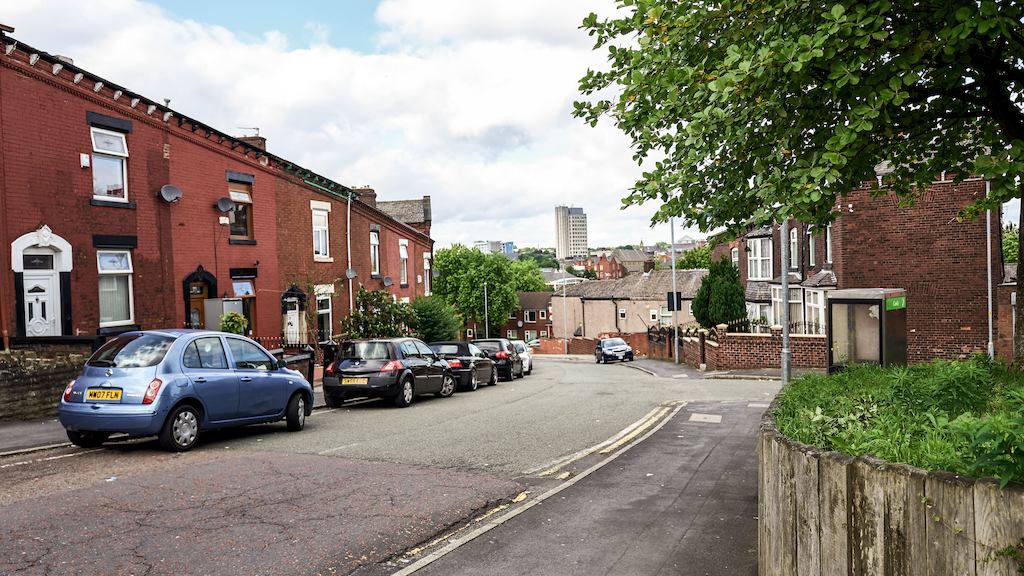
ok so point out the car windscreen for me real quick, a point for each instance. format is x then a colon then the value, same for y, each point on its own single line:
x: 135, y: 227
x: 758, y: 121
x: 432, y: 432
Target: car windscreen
x: 490, y: 346
x: 449, y: 349
x: 520, y: 347
x: 364, y: 351
x: 135, y: 351
x: 613, y: 342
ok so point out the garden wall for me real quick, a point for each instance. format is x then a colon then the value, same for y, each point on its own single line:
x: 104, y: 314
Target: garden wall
x: 824, y: 513
x: 31, y: 383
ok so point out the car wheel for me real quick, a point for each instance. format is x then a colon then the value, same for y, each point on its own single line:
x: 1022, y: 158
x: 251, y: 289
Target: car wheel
x: 405, y: 394
x: 296, y: 414
x: 530, y: 371
x: 87, y: 439
x: 474, y: 381
x: 494, y: 376
x: 181, y: 429
x: 333, y: 401
x: 447, y: 386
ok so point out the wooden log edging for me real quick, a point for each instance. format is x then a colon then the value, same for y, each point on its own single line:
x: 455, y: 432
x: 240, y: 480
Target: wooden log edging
x: 830, y: 514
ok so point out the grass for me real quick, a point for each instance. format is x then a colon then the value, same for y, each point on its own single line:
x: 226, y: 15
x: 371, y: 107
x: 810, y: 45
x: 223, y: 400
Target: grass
x: 965, y: 417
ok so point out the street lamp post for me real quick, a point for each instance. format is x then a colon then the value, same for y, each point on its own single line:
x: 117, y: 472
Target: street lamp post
x: 565, y: 320
x: 675, y: 298
x: 487, y: 323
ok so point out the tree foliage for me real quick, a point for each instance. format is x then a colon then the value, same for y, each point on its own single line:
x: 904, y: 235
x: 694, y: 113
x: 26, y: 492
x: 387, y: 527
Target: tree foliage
x: 544, y: 258
x: 436, y: 320
x: 378, y: 315
x: 527, y: 276
x: 699, y: 257
x: 1011, y: 243
x: 751, y: 111
x: 233, y: 323
x: 720, y: 298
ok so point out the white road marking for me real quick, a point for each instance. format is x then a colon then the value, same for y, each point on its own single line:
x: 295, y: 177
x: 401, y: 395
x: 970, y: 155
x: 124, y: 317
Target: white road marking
x: 330, y: 450
x: 49, y: 458
x: 709, y: 418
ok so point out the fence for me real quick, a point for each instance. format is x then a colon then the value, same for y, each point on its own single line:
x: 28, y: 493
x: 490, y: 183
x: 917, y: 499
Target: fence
x: 828, y: 513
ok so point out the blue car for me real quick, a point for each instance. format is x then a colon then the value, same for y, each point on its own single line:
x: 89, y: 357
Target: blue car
x: 175, y: 384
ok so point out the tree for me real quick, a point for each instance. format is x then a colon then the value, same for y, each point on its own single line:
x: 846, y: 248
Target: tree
x: 436, y: 320
x: 378, y: 315
x: 696, y: 258
x: 720, y: 298
x: 753, y: 112
x: 543, y: 257
x: 1011, y: 243
x: 527, y: 276
x: 462, y: 273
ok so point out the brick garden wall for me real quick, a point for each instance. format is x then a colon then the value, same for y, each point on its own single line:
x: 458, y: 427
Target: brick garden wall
x: 31, y: 383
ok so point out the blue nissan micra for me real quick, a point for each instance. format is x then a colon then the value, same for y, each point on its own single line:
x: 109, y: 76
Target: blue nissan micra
x: 176, y: 383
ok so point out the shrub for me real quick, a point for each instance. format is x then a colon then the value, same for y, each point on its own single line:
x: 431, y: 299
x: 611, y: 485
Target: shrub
x: 436, y: 320
x: 234, y: 323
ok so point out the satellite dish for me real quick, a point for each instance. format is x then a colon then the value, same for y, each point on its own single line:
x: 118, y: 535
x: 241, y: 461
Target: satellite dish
x: 388, y: 281
x: 225, y: 204
x: 170, y: 194
x: 350, y: 274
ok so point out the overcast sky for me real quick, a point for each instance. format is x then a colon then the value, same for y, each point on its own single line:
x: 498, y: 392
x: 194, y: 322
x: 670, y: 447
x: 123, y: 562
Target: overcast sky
x: 468, y: 101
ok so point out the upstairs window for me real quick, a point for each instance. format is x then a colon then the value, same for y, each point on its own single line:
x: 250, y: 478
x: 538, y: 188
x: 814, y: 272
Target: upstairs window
x: 321, y: 250
x: 759, y: 260
x: 240, y: 216
x: 810, y: 249
x: 794, y: 249
x: 403, y: 262
x: 109, y: 165
x: 375, y: 253
x: 426, y: 274
x: 828, y: 244
x: 530, y: 316
x: 734, y: 254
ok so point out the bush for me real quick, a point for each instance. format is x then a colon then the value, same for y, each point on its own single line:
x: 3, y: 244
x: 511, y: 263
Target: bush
x: 964, y: 417
x: 436, y: 320
x: 234, y: 323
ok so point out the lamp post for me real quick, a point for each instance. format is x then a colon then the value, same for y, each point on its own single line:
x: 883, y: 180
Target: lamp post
x: 487, y: 323
x: 675, y: 297
x: 565, y: 320
x: 784, y: 257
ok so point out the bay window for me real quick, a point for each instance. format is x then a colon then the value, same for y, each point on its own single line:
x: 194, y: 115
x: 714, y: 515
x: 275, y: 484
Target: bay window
x: 815, y: 311
x: 115, y: 287
x: 795, y: 305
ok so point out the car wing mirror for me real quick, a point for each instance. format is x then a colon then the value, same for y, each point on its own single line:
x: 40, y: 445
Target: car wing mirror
x: 282, y: 363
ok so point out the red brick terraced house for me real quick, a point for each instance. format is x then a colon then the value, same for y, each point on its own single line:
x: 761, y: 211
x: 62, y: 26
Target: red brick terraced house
x: 121, y: 213
x: 533, y: 318
x: 924, y: 249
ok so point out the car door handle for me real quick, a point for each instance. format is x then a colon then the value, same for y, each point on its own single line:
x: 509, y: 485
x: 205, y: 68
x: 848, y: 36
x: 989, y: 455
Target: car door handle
x: 245, y: 379
x: 199, y: 380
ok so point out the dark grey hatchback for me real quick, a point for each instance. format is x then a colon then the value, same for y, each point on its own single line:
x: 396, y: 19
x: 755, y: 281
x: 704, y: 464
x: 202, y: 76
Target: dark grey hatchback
x: 395, y: 368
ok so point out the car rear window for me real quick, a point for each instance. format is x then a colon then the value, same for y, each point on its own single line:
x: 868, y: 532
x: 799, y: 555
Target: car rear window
x: 364, y: 351
x: 446, y: 348
x: 488, y: 346
x: 135, y: 351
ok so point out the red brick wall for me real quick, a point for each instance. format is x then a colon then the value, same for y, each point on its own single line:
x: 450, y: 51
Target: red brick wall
x: 765, y: 350
x: 1004, y: 323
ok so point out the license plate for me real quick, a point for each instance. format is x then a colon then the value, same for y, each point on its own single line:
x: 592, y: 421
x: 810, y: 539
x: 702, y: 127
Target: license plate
x: 354, y: 381
x: 103, y: 394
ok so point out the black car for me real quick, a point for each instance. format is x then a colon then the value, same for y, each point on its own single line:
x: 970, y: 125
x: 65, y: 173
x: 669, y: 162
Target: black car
x: 469, y: 364
x: 396, y: 368
x: 504, y: 355
x: 613, y: 349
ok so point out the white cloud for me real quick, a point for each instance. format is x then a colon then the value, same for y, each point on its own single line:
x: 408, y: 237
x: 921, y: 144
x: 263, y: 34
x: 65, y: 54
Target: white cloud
x: 469, y: 102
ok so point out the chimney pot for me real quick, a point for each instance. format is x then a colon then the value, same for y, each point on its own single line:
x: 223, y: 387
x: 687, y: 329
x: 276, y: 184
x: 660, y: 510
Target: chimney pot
x: 257, y: 141
x: 367, y: 195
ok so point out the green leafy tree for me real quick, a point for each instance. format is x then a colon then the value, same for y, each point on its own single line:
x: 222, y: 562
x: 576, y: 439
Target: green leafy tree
x: 694, y: 259
x: 378, y: 315
x: 753, y: 112
x: 462, y: 274
x: 527, y: 276
x: 544, y: 258
x: 720, y: 298
x: 436, y: 320
x: 1011, y: 243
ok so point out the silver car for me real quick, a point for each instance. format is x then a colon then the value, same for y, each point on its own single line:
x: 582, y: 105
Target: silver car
x: 526, y: 354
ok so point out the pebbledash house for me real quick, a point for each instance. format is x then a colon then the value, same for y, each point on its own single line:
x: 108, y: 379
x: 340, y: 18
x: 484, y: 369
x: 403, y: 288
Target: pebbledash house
x: 940, y: 261
x: 122, y: 213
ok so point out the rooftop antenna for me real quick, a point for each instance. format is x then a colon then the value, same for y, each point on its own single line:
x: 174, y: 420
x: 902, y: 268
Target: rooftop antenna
x: 167, y: 102
x: 255, y: 128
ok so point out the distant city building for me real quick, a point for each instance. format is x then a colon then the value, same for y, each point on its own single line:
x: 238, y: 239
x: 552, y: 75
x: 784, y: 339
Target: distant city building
x: 508, y: 248
x: 488, y: 246
x: 570, y: 232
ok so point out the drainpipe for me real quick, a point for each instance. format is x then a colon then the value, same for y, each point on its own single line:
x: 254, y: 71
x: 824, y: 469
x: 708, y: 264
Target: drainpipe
x: 988, y: 246
x: 348, y: 248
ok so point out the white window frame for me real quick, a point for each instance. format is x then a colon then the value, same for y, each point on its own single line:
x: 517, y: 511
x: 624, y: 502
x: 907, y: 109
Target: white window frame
x: 795, y: 297
x: 325, y: 232
x: 794, y: 248
x: 130, y: 273
x: 122, y: 156
x: 529, y: 316
x: 810, y: 249
x: 757, y: 256
x: 512, y: 315
x: 511, y: 334
x: 815, y: 309
x: 734, y: 254
x: 374, y: 253
x: 529, y: 335
x: 622, y: 313
x: 427, y: 278
x: 543, y: 333
x: 543, y: 314
x: 325, y: 291
x: 828, y: 244
x: 655, y: 314
x: 403, y: 262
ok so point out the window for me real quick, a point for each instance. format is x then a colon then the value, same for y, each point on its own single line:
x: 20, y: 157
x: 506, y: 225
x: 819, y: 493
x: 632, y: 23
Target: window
x: 734, y: 254
x: 530, y: 316
x: 815, y: 311
x: 375, y: 253
x: 655, y: 313
x: 543, y: 314
x: 759, y: 261
x: 543, y: 333
x: 109, y: 165
x: 810, y: 249
x: 530, y: 335
x: 828, y: 244
x: 511, y: 334
x: 240, y: 216
x: 205, y: 353
x: 244, y: 289
x: 116, y: 305
x: 403, y: 262
x: 248, y: 356
x: 795, y: 305
x: 469, y: 333
x: 794, y: 249
x: 321, y: 250
x: 137, y: 351
x: 324, y: 315
x: 512, y: 315
x: 426, y: 274
x: 622, y: 313
x: 424, y: 350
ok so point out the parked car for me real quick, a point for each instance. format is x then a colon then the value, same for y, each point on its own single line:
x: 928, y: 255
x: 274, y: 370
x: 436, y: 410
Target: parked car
x: 535, y: 343
x: 613, y: 349
x: 469, y: 364
x: 526, y: 354
x: 394, y: 368
x: 178, y: 383
x: 504, y: 355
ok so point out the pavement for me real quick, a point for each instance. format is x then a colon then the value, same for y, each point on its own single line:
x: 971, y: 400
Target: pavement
x: 667, y: 369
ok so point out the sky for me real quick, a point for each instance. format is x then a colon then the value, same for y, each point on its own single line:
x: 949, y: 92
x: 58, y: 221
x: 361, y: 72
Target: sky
x: 468, y: 101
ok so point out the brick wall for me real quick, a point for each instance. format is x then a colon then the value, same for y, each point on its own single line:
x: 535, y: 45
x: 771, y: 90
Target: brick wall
x: 736, y: 350
x: 1004, y: 321
x: 31, y: 384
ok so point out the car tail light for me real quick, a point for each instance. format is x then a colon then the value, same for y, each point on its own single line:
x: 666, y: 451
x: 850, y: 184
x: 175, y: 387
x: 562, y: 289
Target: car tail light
x: 329, y: 370
x: 67, y: 391
x: 455, y: 363
x: 392, y: 366
x: 501, y: 355
x: 151, y: 391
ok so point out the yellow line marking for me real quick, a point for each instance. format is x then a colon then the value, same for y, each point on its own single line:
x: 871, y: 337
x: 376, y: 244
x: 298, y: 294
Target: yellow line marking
x: 558, y: 464
x: 419, y: 549
x: 563, y: 475
x: 625, y: 439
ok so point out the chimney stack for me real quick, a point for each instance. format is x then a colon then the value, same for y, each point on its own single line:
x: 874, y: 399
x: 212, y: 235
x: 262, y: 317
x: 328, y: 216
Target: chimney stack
x: 367, y: 195
x: 257, y: 141
x: 5, y: 29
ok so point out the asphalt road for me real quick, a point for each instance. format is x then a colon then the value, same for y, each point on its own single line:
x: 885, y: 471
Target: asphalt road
x: 358, y: 486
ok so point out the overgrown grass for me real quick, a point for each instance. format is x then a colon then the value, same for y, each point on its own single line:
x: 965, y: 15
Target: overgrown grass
x: 964, y: 417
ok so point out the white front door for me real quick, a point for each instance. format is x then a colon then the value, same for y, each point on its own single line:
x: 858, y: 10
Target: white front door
x: 42, y: 305
x: 292, y: 322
